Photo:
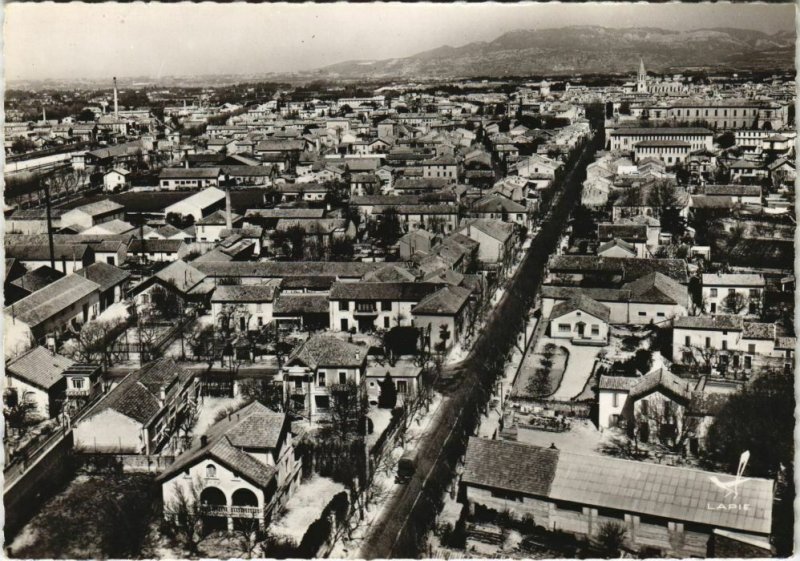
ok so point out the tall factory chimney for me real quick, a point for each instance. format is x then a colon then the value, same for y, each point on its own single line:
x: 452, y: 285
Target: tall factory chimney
x: 116, y: 104
x: 228, y: 213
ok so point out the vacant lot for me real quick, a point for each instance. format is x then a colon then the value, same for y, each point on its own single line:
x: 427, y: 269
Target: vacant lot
x: 95, y: 517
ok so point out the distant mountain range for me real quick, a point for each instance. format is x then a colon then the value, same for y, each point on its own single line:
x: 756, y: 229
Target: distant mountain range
x: 586, y: 50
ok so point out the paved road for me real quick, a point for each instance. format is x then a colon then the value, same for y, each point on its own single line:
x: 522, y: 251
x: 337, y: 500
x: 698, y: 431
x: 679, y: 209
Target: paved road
x: 382, y: 541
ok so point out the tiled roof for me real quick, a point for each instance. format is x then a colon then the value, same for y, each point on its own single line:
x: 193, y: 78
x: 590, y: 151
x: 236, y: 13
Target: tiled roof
x: 298, y: 304
x: 758, y: 330
x: 662, y: 144
x: 622, y: 383
x: 105, y: 275
x: 278, y: 213
x: 733, y: 190
x: 661, y: 379
x: 496, y: 229
x: 716, y: 322
x: 41, y: 251
x: 252, y: 427
x: 138, y: 395
x: 656, y: 288
x: 584, y: 304
x: 181, y: 275
x: 38, y: 278
x: 154, y: 246
x: 449, y: 300
x: 312, y: 282
x: 497, y: 203
x: 675, y: 131
x: 401, y: 291
x: 280, y: 269
x: 189, y: 173
x: 616, y: 243
x: 734, y: 279
x: 43, y: 304
x: 39, y: 367
x: 246, y: 292
x: 217, y: 218
x: 631, y: 268
x: 511, y: 466
x: 391, y: 273
x: 324, y: 350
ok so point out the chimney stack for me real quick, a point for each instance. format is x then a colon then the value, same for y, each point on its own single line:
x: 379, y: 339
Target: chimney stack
x: 228, y: 217
x: 116, y: 103
x: 44, y: 115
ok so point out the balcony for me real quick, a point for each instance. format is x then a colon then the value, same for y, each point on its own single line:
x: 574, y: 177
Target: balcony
x: 302, y: 390
x: 233, y: 511
x: 369, y: 309
x: 83, y: 392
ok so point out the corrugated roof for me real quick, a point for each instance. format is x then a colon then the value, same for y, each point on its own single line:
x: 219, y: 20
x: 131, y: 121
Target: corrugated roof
x: 673, y: 493
x: 43, y: 304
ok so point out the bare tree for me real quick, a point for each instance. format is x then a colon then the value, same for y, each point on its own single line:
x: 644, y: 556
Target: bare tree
x: 700, y: 356
x: 95, y: 341
x: 734, y: 303
x: 183, y: 516
x: 348, y: 409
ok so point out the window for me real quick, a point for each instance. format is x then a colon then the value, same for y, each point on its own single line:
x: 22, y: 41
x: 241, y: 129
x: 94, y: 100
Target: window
x: 616, y: 399
x: 77, y: 383
x: 386, y: 322
x: 713, y: 292
x: 344, y: 325
x: 342, y: 377
x: 321, y: 379
x: 402, y: 386
x: 660, y: 314
x: 564, y: 328
x: 259, y: 307
x: 687, y: 341
x: 731, y: 291
x: 753, y: 293
x: 211, y: 471
x: 751, y: 348
x: 344, y: 305
x: 642, y: 314
x: 724, y: 345
x: 708, y: 342
x: 645, y: 407
x: 595, y: 329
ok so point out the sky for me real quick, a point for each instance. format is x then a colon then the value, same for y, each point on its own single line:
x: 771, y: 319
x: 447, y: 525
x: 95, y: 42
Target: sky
x: 90, y: 41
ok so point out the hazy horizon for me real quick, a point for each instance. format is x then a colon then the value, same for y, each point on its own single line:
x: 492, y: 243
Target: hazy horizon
x: 95, y: 41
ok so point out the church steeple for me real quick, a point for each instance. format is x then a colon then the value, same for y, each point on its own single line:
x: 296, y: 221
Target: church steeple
x: 641, y: 79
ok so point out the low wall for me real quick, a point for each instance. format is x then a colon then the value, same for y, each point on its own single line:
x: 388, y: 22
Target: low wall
x: 40, y: 481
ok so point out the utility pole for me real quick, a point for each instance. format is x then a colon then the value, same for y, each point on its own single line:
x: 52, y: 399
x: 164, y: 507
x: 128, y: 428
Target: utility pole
x: 46, y: 185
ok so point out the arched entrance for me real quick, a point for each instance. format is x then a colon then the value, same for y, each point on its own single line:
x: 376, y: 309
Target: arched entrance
x: 244, y: 520
x: 215, y: 519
